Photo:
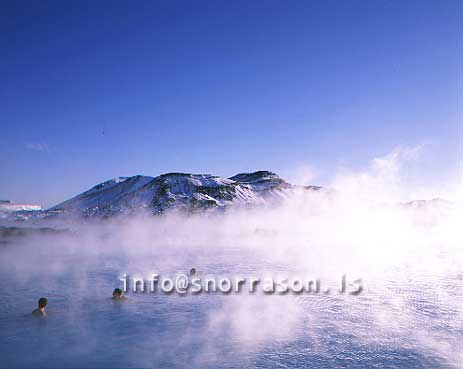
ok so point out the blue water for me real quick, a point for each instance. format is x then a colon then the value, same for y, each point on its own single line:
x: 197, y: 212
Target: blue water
x: 400, y: 324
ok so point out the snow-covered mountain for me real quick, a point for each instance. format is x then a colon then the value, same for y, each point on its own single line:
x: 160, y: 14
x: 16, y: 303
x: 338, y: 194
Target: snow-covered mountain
x: 177, y: 191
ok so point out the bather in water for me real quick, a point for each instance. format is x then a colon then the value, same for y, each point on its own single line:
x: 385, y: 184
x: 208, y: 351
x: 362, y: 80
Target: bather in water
x: 117, y: 295
x: 40, y: 311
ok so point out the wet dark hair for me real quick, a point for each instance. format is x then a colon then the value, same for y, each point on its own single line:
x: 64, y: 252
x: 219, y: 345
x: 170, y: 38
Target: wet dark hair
x: 117, y: 291
x: 42, y: 302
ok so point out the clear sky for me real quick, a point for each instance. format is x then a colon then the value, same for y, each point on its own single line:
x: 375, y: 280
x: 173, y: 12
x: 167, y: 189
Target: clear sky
x: 92, y: 90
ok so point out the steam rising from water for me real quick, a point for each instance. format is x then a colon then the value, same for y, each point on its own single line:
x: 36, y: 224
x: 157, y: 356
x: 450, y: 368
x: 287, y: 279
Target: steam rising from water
x: 409, y: 257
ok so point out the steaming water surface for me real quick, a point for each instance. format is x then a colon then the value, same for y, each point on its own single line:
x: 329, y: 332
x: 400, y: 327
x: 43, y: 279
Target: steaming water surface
x: 404, y: 318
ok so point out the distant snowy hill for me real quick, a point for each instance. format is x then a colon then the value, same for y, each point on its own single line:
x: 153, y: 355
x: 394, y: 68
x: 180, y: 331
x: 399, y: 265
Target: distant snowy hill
x: 8, y: 206
x: 177, y: 191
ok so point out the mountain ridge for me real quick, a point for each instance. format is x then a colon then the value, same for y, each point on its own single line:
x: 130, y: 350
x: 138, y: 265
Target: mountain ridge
x: 178, y: 191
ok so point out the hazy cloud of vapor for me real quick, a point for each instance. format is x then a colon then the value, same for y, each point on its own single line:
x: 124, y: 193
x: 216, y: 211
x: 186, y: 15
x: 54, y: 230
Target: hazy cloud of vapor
x: 38, y: 146
x: 303, y: 175
x: 386, y: 178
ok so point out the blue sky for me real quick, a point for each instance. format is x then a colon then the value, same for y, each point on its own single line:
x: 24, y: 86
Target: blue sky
x: 94, y: 90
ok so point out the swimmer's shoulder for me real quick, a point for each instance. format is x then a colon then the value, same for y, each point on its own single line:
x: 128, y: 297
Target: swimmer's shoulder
x: 37, y: 313
x: 120, y: 299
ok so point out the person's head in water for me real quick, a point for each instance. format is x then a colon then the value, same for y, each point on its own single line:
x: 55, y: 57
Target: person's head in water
x: 42, y: 303
x: 40, y: 311
x: 117, y: 293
